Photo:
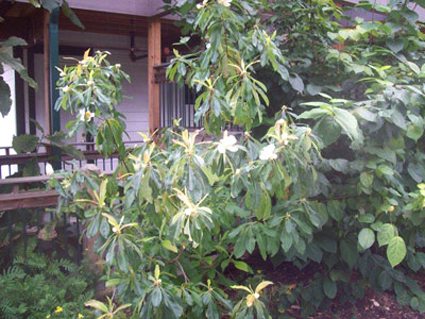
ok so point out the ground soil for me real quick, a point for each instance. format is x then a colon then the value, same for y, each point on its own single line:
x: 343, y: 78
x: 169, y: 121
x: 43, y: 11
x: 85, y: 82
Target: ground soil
x: 374, y: 305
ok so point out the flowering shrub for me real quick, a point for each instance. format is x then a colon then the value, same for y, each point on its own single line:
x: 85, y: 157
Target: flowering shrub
x: 333, y: 181
x: 195, y: 209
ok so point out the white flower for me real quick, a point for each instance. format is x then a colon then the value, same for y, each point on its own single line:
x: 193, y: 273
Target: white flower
x: 287, y: 137
x: 281, y: 122
x: 84, y: 115
x: 90, y: 82
x: 268, y: 153
x: 227, y: 143
x: 225, y: 3
x: 66, y: 89
x: 199, y: 6
x: 49, y: 169
x: 256, y: 295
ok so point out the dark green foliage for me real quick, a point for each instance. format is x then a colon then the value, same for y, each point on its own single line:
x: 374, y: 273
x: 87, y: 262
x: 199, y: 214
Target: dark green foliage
x: 337, y: 180
x: 37, y: 286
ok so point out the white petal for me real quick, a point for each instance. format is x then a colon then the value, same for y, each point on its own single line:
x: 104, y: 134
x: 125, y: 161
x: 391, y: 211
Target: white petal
x: 49, y: 169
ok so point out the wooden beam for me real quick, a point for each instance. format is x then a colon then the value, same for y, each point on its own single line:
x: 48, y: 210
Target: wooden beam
x: 154, y: 58
x: 34, y: 199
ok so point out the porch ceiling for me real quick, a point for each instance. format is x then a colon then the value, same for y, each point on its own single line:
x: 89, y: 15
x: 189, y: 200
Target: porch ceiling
x: 25, y: 21
x: 145, y: 8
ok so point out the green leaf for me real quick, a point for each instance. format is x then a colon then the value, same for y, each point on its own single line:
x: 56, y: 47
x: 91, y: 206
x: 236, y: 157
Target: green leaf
x: 339, y: 164
x: 349, y: 124
x: 241, y: 265
x: 335, y: 210
x: 327, y: 130
x: 296, y: 83
x: 50, y: 5
x: 385, y: 233
x: 330, y: 288
x: 395, y: 45
x: 366, y: 218
x: 13, y: 42
x: 396, y: 251
x: 259, y: 201
x: 16, y: 64
x: 97, y: 305
x: 5, y: 100
x: 70, y: 14
x: 415, y: 131
x: 24, y: 143
x: 366, y: 179
x: 156, y: 297
x: 169, y: 246
x: 385, y: 280
x: 313, y: 114
x: 366, y: 238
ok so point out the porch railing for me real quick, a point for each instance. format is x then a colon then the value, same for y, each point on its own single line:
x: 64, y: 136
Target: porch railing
x: 176, y: 101
x: 28, y: 215
x: 10, y: 161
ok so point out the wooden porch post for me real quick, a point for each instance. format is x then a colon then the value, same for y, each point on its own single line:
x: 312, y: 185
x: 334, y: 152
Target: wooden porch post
x: 154, y: 58
x: 51, y: 75
x: 46, y: 72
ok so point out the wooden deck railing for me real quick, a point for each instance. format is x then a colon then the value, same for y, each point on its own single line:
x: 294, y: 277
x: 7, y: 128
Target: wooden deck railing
x: 25, y: 214
x: 22, y: 195
x: 10, y: 162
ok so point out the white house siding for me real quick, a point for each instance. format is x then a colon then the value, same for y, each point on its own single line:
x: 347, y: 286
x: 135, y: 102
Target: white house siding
x: 8, y: 123
x: 135, y: 103
x: 418, y: 9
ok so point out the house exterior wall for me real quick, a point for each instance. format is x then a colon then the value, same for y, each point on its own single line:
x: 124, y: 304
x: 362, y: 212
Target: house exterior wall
x: 8, y: 123
x: 135, y: 103
x: 418, y: 9
x: 133, y: 7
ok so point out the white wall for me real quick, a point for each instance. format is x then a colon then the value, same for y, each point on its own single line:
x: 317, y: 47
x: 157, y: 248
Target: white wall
x: 418, y: 9
x: 8, y: 123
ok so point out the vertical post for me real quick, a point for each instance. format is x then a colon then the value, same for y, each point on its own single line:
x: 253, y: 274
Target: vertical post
x: 53, y: 72
x: 51, y: 61
x: 46, y: 72
x: 18, y: 52
x: 154, y: 58
x: 31, y: 91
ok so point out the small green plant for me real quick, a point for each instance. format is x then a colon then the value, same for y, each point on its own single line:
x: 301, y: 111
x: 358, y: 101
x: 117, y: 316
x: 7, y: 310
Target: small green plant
x: 40, y: 287
x: 251, y: 306
x: 107, y: 310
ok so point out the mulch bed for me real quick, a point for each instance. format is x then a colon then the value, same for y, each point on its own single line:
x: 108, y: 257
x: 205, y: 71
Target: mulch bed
x: 374, y: 305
